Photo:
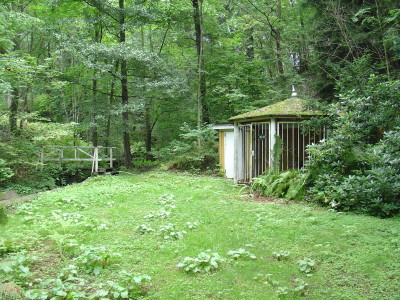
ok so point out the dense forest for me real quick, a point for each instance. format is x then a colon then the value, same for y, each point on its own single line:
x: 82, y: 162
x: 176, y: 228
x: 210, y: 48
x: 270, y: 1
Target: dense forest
x: 148, y: 76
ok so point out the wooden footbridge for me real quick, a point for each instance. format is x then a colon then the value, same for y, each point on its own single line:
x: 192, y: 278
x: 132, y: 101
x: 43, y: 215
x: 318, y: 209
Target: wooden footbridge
x: 79, y: 153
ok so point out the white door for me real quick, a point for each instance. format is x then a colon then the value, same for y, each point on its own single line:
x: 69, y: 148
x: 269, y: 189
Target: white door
x: 229, y: 154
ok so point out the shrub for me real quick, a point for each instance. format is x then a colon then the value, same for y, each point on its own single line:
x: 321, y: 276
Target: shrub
x: 5, y: 172
x: 22, y: 156
x: 358, y: 169
x: 187, y: 154
x: 369, y: 183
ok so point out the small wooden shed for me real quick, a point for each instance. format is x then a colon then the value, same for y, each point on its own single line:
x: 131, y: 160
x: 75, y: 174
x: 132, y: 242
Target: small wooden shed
x: 256, y: 132
x: 226, y: 147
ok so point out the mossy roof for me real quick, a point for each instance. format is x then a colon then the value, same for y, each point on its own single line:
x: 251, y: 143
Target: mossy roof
x: 291, y: 107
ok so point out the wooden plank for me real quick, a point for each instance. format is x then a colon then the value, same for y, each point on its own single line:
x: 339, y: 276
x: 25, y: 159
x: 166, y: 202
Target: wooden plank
x: 73, y: 147
x: 88, y: 154
x: 78, y: 159
x: 111, y: 158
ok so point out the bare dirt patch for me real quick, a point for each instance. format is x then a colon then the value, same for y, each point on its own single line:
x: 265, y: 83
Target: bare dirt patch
x: 257, y: 197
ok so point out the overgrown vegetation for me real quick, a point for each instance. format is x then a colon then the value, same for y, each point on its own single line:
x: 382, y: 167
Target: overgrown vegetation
x: 20, y: 167
x: 195, y: 151
x: 56, y: 244
x: 131, y: 75
x: 358, y: 168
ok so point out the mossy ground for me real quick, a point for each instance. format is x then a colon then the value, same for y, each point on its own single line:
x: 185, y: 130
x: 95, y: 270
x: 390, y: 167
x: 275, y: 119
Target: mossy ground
x: 357, y: 257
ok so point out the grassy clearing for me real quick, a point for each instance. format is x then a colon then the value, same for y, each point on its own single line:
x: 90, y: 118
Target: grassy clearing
x: 356, y: 257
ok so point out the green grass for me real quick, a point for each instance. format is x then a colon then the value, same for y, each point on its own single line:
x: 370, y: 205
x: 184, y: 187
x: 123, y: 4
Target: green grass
x: 356, y: 257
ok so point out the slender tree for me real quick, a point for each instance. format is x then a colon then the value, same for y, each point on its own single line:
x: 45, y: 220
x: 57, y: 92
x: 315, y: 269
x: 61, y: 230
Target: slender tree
x: 124, y: 89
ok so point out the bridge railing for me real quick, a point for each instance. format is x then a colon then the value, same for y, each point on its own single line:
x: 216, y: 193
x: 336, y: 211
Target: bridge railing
x: 79, y: 153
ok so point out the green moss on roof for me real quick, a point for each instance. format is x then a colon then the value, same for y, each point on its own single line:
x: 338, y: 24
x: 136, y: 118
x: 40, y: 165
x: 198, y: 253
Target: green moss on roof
x: 288, y: 107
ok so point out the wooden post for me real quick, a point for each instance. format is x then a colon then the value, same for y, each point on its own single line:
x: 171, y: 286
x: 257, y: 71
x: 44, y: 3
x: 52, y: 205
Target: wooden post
x: 272, y: 137
x: 236, y: 152
x: 111, y: 157
x: 42, y: 158
x: 95, y: 161
x: 60, y: 155
x: 96, y: 151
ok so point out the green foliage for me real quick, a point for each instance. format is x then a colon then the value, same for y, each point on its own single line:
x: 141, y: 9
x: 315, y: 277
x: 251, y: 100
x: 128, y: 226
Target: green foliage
x: 277, y: 154
x: 240, y: 254
x: 3, y: 217
x: 204, y: 262
x: 143, y: 229
x: 306, y: 265
x: 166, y: 200
x: 67, y: 285
x: 132, y: 286
x: 5, y: 172
x: 6, y: 246
x: 370, y: 28
x: 10, y: 291
x: 191, y: 225
x: 300, y: 287
x: 281, y: 255
x: 22, y: 154
x: 94, y: 259
x: 288, y: 184
x: 358, y: 168
x: 16, y: 267
x: 65, y: 244
x: 144, y: 163
x: 121, y: 201
x: 170, y: 231
x: 187, y: 154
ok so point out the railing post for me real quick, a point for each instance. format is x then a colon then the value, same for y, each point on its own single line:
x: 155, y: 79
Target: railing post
x: 42, y: 159
x: 96, y: 150
x: 60, y: 154
x: 111, y: 157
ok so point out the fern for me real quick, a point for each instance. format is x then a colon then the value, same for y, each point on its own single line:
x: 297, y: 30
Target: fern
x: 289, y: 184
x: 277, y: 154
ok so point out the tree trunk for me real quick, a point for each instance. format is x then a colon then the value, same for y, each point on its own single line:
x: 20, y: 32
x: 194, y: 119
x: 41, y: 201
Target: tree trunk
x: 148, y: 101
x: 203, y: 115
x: 13, y: 107
x: 382, y: 39
x: 112, y: 91
x: 24, y: 108
x: 250, y: 43
x: 303, y: 49
x: 278, y: 39
x: 124, y: 91
x: 148, y: 126
x: 95, y: 137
